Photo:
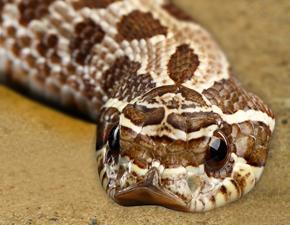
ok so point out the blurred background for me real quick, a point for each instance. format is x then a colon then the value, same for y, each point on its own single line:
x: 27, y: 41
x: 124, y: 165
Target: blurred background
x: 48, y: 173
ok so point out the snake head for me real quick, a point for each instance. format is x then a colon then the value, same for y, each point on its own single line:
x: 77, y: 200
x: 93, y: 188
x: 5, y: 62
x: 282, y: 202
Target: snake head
x: 171, y: 147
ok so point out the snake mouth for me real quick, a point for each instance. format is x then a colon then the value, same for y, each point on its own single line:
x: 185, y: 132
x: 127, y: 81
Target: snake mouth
x: 149, y: 192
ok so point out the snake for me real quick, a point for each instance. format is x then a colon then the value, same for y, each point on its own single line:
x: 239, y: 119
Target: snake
x: 175, y: 128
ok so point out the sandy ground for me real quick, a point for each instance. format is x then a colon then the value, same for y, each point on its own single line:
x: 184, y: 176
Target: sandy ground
x: 47, y: 164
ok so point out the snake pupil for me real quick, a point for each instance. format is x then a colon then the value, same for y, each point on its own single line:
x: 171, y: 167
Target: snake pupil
x: 218, y: 150
x: 217, y: 153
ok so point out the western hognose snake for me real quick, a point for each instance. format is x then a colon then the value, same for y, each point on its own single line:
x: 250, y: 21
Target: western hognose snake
x: 174, y: 127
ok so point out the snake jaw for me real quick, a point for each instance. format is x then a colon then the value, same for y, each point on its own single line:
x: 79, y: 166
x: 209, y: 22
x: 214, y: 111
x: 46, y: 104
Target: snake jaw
x: 183, y: 188
x: 217, y: 192
x: 129, y: 185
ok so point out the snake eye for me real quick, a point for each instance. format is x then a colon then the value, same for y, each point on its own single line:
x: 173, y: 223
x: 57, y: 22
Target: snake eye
x: 114, y: 139
x: 112, y: 154
x: 217, y: 153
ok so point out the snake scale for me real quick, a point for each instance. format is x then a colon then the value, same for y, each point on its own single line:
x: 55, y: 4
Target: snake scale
x: 174, y: 127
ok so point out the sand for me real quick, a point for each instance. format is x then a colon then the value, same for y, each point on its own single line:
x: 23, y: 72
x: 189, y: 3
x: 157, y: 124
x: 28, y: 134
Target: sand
x: 47, y: 164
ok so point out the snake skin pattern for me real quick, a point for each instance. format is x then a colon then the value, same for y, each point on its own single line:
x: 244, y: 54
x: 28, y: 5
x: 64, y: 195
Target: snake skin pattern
x: 159, y: 87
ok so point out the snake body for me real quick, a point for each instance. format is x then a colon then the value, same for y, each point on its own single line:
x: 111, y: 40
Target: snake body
x: 175, y: 128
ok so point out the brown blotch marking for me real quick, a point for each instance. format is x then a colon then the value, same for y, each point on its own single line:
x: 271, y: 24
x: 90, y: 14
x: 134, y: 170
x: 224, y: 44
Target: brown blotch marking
x: 123, y: 73
x: 160, y: 91
x: 48, y: 43
x: 236, y: 184
x: 176, y: 12
x: 139, y: 25
x: 182, y: 64
x: 33, y: 9
x: 241, y: 181
x: 128, y: 134
x: 42, y: 49
x: 136, y: 151
x: 223, y: 190
x: 2, y: 3
x: 54, y: 57
x: 193, y: 96
x: 258, y: 157
x: 11, y: 31
x: 171, y: 153
x: 24, y: 41
x: 87, y: 35
x: 93, y: 4
x: 120, y: 68
x: 188, y: 94
x: 51, y: 40
x: 133, y: 86
x: 251, y: 141
x: 70, y: 69
x: 190, y: 122
x: 142, y: 116
x: 153, y: 116
x: 230, y: 96
x: 226, y: 95
x: 259, y: 153
x: 2, y: 39
x: 31, y: 60
x: 47, y: 48
x: 200, y: 145
x: 137, y: 117
x: 16, y: 49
